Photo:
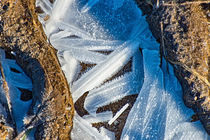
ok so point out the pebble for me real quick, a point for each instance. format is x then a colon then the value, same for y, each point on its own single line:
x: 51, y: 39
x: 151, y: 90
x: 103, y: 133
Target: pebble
x: 5, y: 7
x: 21, y: 21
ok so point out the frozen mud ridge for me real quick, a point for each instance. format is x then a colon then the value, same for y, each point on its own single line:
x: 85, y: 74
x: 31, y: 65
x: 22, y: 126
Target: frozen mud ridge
x: 106, y: 35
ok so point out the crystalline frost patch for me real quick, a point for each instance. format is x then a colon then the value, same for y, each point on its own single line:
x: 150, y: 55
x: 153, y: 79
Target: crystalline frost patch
x: 96, y: 40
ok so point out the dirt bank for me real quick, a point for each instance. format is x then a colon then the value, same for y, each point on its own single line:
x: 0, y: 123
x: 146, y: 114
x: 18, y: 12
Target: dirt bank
x: 52, y: 106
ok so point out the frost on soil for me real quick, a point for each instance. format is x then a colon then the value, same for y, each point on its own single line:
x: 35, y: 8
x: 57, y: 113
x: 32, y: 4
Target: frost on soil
x: 107, y: 35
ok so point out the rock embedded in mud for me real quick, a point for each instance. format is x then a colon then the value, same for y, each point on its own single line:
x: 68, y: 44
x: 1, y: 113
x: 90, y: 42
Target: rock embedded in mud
x: 22, y: 33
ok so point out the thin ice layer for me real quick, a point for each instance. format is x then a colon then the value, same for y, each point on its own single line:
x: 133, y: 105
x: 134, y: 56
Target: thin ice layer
x: 110, y: 34
x: 16, y: 80
x: 162, y: 113
x: 83, y: 130
x: 108, y: 135
x: 99, y: 117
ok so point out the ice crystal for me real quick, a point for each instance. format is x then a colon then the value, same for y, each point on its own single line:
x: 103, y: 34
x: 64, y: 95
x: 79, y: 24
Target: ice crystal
x: 95, y: 40
x: 16, y: 82
x: 118, y: 114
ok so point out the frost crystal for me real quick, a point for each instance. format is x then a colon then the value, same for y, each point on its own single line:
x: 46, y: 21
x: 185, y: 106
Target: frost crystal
x: 96, y: 40
x: 118, y: 114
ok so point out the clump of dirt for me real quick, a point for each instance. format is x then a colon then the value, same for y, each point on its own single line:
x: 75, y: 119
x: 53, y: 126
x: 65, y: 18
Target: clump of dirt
x: 181, y: 27
x: 52, y: 107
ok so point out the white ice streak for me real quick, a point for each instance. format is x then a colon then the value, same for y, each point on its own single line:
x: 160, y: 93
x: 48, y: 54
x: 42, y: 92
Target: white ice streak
x: 83, y: 130
x: 67, y: 43
x: 99, y: 117
x: 114, y: 62
x: 77, y: 31
x: 111, y: 92
x: 108, y: 135
x: 72, y: 66
x: 86, y: 56
x: 89, y: 5
x: 46, y: 6
x: 118, y: 114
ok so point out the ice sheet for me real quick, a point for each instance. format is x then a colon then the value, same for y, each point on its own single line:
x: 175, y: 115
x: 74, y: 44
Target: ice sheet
x: 110, y: 34
x: 15, y: 80
x: 161, y: 112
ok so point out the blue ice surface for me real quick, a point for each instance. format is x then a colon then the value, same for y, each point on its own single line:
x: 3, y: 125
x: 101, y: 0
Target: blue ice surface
x: 14, y: 81
x: 80, y: 28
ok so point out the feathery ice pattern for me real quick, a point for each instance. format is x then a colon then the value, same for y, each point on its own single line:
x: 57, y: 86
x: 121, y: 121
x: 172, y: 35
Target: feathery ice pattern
x: 106, y: 35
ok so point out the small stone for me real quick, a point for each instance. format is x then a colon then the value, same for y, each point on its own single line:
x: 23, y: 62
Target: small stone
x: 26, y: 95
x: 5, y: 7
x: 23, y: 32
x: 46, y: 18
x: 21, y: 21
x: 29, y: 32
x: 116, y: 122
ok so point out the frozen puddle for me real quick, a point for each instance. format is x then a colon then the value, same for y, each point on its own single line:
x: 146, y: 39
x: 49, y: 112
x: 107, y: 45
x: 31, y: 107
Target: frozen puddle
x: 107, y: 52
x: 15, y: 92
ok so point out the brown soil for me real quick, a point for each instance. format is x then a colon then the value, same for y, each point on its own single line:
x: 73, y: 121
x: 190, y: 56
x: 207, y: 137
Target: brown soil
x: 52, y: 106
x: 182, y: 29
